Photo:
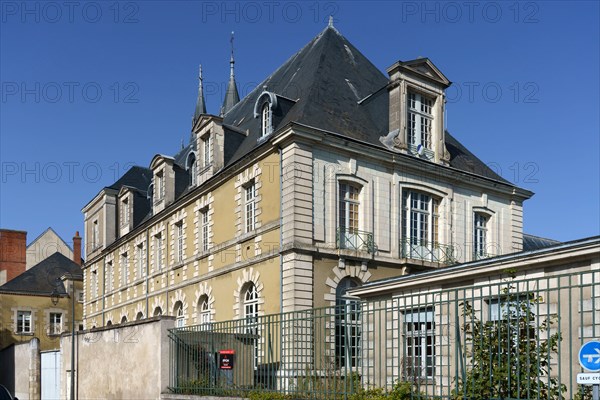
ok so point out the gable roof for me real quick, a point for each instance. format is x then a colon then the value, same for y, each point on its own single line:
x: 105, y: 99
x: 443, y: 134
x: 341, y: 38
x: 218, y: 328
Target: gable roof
x: 49, y: 231
x: 44, y: 277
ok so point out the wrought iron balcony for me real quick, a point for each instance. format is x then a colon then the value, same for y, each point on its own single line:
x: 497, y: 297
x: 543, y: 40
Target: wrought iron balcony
x: 348, y: 238
x: 427, y: 251
x: 481, y: 255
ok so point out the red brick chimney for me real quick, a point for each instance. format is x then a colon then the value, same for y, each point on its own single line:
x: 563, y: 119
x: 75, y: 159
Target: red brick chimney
x: 77, y: 248
x: 13, y: 247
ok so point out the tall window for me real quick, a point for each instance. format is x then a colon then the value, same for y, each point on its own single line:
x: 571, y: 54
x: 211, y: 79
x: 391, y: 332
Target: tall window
x: 206, y: 147
x: 94, y: 283
x: 347, y: 325
x: 204, y: 220
x: 420, y: 226
x: 141, y: 260
x: 250, y: 307
x: 125, y: 211
x: 124, y: 268
x: 159, y: 185
x: 267, y: 126
x: 55, y: 327
x: 419, y: 339
x: 349, y: 215
x: 479, y: 236
x: 420, y: 120
x: 110, y: 276
x: 250, y: 196
x: 95, y: 234
x: 179, y: 317
x: 158, y: 251
x: 24, y: 322
x: 179, y: 242
x: 204, y: 310
x: 191, y: 164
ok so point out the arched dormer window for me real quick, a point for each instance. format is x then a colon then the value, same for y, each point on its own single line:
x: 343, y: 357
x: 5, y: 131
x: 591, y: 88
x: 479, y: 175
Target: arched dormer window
x: 263, y: 109
x: 191, y: 168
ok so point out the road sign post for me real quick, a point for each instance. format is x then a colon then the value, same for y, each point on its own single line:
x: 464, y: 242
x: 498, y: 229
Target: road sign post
x: 589, y: 359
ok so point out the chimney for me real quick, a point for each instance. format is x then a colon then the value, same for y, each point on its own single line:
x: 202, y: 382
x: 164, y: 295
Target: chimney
x: 13, y: 247
x: 77, y: 248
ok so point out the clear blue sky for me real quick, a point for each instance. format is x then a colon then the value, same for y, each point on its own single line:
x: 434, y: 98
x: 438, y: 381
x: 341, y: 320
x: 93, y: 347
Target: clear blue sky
x: 90, y: 88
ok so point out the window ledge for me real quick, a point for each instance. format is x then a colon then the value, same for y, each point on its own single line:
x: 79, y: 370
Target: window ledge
x: 24, y: 333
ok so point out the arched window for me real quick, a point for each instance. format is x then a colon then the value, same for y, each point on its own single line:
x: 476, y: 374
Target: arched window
x: 123, y: 319
x: 157, y: 312
x: 267, y: 123
x: 109, y: 323
x: 347, y: 325
x: 140, y: 315
x: 191, y: 167
x: 203, y: 310
x: 179, y: 317
x: 250, y: 307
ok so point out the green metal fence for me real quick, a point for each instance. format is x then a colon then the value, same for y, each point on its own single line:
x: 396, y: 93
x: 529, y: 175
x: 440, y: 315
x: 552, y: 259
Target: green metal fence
x: 510, y: 339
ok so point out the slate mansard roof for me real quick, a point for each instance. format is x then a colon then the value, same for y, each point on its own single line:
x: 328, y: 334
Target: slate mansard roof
x: 328, y: 85
x: 44, y: 277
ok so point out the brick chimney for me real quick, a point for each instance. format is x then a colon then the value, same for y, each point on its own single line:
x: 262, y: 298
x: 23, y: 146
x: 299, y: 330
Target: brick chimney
x: 77, y: 248
x: 13, y: 248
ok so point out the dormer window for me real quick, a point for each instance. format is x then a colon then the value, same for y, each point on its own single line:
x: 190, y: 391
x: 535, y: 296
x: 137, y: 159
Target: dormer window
x: 206, y: 147
x: 419, y: 122
x: 125, y: 212
x: 159, y: 183
x: 191, y: 167
x: 267, y: 126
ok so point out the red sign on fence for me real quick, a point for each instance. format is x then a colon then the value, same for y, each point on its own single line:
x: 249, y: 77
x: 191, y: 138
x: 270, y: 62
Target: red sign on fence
x: 226, y: 359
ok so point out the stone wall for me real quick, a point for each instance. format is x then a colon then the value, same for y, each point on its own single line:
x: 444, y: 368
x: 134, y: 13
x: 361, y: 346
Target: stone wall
x: 20, y: 371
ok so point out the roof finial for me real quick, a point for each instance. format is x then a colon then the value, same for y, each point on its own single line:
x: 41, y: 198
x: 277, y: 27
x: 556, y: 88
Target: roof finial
x: 200, y: 104
x: 331, y: 21
x: 231, y: 60
x: 232, y: 96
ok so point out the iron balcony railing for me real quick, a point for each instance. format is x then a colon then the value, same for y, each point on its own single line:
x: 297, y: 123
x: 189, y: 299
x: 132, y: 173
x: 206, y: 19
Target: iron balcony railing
x: 353, y: 239
x: 427, y: 251
x: 513, y: 339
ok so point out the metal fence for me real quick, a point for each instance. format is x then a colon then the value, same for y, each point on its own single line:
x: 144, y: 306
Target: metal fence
x: 511, y: 339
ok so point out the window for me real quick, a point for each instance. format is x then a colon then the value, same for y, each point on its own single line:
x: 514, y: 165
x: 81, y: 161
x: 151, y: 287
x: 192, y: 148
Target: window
x: 55, y: 327
x: 206, y: 147
x: 80, y: 294
x: 141, y: 260
x: 204, y: 310
x: 94, y: 283
x: 205, y: 238
x: 95, y: 235
x: 124, y: 268
x: 479, y: 236
x: 420, y: 121
x: 125, y: 211
x: 124, y: 319
x: 157, y: 312
x: 110, y: 276
x: 179, y: 242
x: 420, y: 226
x: 419, y: 339
x: 159, y: 185
x: 158, y: 251
x: 349, y: 215
x: 191, y: 165
x: 267, y: 125
x: 179, y: 317
x: 139, y: 316
x: 250, y: 307
x: 24, y: 322
x: 250, y: 195
x: 347, y: 326
x: 510, y: 307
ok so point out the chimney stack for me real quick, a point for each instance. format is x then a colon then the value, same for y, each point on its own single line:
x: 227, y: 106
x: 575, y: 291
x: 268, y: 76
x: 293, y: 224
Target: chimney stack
x: 13, y: 248
x: 77, y: 248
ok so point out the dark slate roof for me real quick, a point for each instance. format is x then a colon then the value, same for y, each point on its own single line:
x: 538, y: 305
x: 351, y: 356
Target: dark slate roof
x: 531, y: 242
x: 327, y: 79
x: 44, y: 277
x: 137, y: 177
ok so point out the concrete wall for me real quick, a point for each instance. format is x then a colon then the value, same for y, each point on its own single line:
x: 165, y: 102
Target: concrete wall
x: 20, y: 371
x: 128, y: 361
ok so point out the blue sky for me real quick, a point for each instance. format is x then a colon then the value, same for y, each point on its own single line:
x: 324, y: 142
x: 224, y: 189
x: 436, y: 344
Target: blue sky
x: 90, y: 88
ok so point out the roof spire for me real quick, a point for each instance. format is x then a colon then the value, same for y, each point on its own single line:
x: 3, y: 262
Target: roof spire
x: 200, y: 104
x: 232, y: 96
x: 330, y: 21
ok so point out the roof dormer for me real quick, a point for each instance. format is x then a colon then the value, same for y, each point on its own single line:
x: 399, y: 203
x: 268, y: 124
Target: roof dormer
x: 163, y: 182
x: 416, y: 110
x: 125, y: 210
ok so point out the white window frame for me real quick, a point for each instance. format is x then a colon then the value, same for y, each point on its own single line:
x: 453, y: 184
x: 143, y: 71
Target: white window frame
x: 204, y: 220
x: 420, y: 225
x: 158, y: 251
x: 110, y: 275
x: 125, y: 211
x: 141, y: 260
x: 347, y: 326
x: 250, y: 206
x: 419, y: 120
x: 159, y: 186
x: 95, y: 234
x: 179, y: 239
x: 203, y: 310
x: 480, y: 235
x: 349, y: 217
x: 24, y: 322
x: 55, y: 326
x: 250, y: 307
x: 179, y: 316
x: 207, y: 150
x: 418, y: 329
x: 266, y: 120
x: 191, y: 164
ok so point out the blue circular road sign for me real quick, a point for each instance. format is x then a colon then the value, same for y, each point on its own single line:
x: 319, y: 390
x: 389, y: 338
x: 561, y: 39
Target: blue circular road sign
x: 589, y: 356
